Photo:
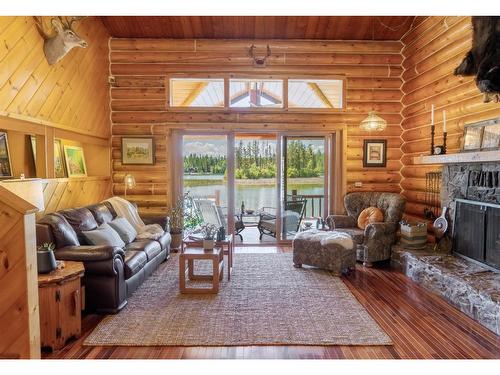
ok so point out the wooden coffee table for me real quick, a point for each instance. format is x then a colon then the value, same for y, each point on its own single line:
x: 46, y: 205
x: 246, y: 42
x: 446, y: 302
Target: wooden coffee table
x: 191, y: 254
x: 227, y: 246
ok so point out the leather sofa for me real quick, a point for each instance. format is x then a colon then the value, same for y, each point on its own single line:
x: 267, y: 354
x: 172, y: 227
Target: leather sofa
x: 112, y: 274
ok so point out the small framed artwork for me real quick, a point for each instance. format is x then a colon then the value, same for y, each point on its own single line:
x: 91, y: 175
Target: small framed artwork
x: 5, y: 165
x: 472, y: 137
x: 33, y: 147
x: 75, y: 161
x: 59, y: 165
x: 375, y: 153
x: 491, y: 137
x: 138, y: 150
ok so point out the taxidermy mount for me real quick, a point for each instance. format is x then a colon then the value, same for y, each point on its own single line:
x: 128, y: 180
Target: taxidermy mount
x: 483, y: 60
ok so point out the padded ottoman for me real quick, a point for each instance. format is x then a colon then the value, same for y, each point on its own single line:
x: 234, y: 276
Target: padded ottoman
x: 318, y: 248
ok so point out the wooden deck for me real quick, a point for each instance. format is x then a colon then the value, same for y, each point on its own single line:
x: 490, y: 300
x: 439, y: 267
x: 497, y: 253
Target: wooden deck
x: 420, y: 324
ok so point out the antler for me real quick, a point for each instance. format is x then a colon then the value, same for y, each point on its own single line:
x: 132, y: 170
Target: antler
x: 39, y: 27
x: 259, y: 61
x: 75, y: 19
x: 251, y: 51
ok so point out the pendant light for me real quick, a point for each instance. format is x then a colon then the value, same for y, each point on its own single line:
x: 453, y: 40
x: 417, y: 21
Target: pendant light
x: 373, y: 123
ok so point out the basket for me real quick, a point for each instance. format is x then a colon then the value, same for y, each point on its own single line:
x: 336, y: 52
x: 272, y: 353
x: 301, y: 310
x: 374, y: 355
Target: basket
x: 414, y: 235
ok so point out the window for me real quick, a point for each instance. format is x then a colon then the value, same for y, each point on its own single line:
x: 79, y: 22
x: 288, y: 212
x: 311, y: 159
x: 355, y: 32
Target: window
x: 249, y: 93
x: 196, y: 92
x: 315, y: 93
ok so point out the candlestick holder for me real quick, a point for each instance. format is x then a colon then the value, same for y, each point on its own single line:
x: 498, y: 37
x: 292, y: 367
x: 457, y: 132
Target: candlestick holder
x: 440, y: 149
x: 432, y: 138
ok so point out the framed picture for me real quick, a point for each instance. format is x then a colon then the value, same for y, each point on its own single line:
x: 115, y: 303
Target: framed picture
x: 59, y: 165
x: 472, y: 138
x: 5, y: 166
x: 138, y: 150
x: 491, y: 137
x: 375, y: 153
x: 75, y: 161
x: 33, y: 147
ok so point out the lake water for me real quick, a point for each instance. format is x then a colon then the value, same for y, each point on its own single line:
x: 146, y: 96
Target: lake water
x: 254, y: 195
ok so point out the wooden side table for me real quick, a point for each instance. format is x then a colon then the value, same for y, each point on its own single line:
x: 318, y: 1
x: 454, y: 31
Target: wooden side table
x: 195, y: 253
x: 227, y: 247
x: 60, y: 297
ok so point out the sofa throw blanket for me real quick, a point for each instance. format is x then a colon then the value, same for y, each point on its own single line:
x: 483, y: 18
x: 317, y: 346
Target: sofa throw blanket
x: 327, y: 238
x: 127, y: 210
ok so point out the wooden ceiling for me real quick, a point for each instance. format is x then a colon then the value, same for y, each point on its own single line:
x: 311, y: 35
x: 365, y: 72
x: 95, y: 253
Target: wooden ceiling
x: 268, y: 27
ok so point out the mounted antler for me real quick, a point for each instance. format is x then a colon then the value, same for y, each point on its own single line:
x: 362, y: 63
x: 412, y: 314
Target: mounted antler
x: 57, y: 46
x: 258, y: 62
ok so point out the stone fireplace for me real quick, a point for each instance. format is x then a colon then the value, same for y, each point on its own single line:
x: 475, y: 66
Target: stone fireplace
x: 472, y: 191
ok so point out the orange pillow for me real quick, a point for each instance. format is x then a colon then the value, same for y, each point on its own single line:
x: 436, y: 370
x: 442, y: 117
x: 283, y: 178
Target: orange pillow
x: 370, y: 215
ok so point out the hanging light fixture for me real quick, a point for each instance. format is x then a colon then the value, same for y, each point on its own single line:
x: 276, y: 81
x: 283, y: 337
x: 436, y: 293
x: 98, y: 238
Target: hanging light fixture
x: 373, y: 123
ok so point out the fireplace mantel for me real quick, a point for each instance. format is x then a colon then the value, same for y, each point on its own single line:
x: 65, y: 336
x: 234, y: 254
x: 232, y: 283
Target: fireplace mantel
x: 463, y: 157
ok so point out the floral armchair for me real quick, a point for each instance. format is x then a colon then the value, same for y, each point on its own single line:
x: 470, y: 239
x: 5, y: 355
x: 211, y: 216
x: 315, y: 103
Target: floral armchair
x: 377, y: 238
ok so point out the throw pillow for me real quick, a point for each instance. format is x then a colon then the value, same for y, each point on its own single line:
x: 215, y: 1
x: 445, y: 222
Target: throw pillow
x: 103, y: 235
x: 126, y: 231
x: 370, y: 215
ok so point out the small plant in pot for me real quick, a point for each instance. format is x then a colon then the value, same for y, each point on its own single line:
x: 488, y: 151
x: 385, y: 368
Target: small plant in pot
x: 46, y: 260
x: 209, y: 232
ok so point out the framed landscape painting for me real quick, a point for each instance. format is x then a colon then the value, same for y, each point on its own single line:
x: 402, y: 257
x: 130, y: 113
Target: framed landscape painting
x: 5, y: 166
x: 75, y: 161
x: 375, y: 153
x: 138, y: 150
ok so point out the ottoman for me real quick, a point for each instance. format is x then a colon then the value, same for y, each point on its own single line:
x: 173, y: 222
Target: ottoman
x: 333, y: 251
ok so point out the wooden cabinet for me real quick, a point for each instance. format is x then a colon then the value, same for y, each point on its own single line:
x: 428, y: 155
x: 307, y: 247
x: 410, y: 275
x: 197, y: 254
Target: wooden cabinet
x: 60, y: 298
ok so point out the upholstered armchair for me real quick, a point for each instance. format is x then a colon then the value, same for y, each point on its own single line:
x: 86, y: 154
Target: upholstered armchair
x: 377, y: 238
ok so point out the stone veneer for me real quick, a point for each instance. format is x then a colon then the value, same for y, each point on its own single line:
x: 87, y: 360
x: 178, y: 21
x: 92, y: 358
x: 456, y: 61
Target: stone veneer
x: 471, y: 288
x: 472, y: 181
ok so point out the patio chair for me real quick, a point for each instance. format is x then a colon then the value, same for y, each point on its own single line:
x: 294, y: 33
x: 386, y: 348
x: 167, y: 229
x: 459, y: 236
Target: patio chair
x: 217, y: 215
x: 292, y: 216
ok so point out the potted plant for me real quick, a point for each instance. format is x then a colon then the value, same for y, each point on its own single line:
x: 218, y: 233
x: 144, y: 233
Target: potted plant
x: 209, y: 232
x: 46, y: 260
x: 176, y: 223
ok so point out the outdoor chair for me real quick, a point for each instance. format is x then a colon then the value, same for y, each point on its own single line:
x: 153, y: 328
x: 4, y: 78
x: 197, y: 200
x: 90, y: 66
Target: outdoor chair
x: 292, y: 216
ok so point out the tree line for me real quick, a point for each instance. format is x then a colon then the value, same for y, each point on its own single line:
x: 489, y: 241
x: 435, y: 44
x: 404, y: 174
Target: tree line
x: 257, y: 159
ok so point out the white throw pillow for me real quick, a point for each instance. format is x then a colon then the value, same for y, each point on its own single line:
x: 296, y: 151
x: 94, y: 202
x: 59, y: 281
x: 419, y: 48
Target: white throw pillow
x: 125, y: 230
x: 103, y: 235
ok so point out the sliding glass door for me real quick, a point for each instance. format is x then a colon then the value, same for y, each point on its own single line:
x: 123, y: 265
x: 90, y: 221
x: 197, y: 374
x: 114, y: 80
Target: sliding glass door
x: 263, y: 187
x: 304, y: 180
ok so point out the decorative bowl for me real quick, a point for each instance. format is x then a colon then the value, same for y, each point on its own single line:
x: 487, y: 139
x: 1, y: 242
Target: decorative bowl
x: 249, y: 212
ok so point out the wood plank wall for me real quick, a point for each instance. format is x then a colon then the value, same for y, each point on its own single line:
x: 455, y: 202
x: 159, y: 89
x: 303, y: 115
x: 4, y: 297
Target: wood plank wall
x: 138, y: 101
x: 71, y: 93
x: 71, y: 96
x: 432, y: 49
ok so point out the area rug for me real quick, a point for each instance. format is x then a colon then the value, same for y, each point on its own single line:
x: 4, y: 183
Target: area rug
x: 267, y: 302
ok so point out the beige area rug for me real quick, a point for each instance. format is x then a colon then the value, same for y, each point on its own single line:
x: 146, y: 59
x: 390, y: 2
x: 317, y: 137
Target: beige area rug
x: 267, y: 302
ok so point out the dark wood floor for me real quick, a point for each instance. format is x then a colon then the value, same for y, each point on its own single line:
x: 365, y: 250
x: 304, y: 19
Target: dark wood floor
x: 420, y: 324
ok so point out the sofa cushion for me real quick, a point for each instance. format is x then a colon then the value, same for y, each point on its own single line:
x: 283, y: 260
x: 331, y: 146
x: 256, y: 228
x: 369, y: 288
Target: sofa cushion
x: 80, y: 219
x: 101, y: 213
x: 358, y: 235
x: 149, y: 247
x: 103, y: 235
x: 62, y: 232
x: 126, y: 231
x: 370, y: 215
x: 165, y: 240
x: 134, y: 262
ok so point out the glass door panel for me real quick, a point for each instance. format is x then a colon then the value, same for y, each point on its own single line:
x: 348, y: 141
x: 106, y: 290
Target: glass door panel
x: 205, y: 166
x: 304, y: 189
x: 255, y: 188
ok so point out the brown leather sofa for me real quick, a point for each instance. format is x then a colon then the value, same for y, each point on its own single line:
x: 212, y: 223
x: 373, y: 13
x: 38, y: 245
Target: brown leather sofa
x: 112, y: 274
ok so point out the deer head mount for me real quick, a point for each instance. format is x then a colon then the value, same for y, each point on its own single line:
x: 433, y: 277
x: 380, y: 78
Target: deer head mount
x: 61, y: 39
x: 258, y: 62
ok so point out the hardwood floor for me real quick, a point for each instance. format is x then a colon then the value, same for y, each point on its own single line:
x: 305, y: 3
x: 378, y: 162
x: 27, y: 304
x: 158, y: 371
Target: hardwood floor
x: 421, y: 325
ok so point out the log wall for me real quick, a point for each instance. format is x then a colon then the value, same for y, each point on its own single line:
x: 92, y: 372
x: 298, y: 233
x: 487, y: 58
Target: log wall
x: 138, y: 101
x: 433, y: 48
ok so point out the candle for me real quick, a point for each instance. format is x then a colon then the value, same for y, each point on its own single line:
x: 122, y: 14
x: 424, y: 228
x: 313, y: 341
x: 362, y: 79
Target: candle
x: 432, y: 114
x: 444, y: 121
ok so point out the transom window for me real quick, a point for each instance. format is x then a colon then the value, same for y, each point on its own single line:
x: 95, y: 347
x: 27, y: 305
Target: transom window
x: 258, y: 93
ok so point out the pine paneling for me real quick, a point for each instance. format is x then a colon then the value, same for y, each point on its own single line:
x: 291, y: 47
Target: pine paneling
x: 138, y: 101
x: 433, y: 49
x: 70, y: 94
